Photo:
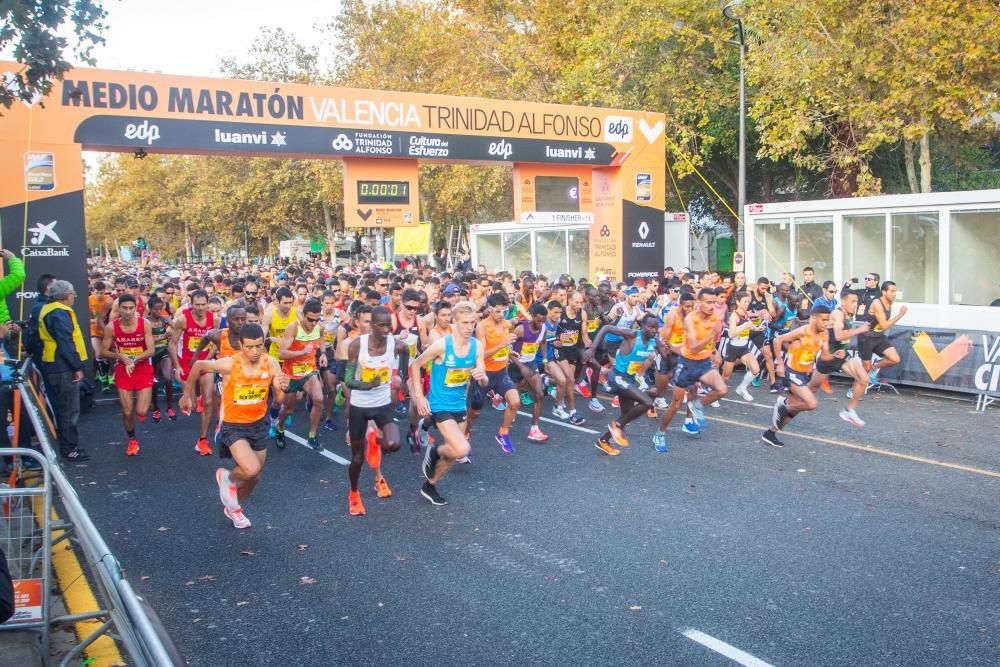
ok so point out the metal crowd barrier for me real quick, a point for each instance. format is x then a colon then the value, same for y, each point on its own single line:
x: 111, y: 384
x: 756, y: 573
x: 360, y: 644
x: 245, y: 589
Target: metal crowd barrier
x: 126, y: 617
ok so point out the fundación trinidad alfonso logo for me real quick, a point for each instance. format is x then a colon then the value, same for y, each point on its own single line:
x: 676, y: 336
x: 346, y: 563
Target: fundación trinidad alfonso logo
x: 938, y: 362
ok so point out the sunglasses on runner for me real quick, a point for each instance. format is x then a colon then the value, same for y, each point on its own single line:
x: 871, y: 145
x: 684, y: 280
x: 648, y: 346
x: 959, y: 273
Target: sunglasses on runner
x: 410, y: 306
x: 314, y: 320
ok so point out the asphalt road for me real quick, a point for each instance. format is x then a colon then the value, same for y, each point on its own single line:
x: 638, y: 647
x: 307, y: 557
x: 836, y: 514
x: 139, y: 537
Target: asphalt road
x: 817, y: 554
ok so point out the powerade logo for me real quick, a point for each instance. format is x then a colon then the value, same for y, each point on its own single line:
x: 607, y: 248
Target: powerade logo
x: 618, y: 129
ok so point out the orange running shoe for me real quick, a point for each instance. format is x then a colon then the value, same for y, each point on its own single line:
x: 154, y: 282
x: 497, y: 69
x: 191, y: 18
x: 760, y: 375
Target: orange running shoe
x: 355, y: 506
x: 618, y: 434
x: 201, y: 405
x: 203, y: 447
x: 374, y: 453
x: 606, y: 447
x: 431, y: 440
x: 615, y: 403
x: 825, y: 386
x: 133, y: 447
x: 651, y: 413
x: 382, y: 488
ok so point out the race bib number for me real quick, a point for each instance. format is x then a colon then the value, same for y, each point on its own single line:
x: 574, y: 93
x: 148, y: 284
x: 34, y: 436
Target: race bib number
x: 249, y: 395
x: 633, y: 367
x: 529, y: 350
x: 329, y: 337
x: 131, y: 351
x: 677, y: 340
x: 569, y: 337
x: 369, y: 374
x: 592, y: 325
x: 807, y: 358
x: 301, y: 369
x: 501, y: 355
x: 193, y: 343
x: 456, y: 377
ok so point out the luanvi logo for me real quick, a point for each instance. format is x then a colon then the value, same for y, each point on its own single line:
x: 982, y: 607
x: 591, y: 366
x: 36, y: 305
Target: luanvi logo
x: 40, y: 234
x: 261, y: 138
x: 144, y: 131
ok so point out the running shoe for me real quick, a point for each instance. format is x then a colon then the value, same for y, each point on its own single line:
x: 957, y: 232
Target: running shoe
x: 595, y: 405
x: 156, y: 416
x: 606, y: 447
x: 272, y: 430
x: 201, y: 405
x: 873, y: 376
x: 744, y: 394
x: 430, y: 462
x: 771, y: 438
x: 400, y: 407
x: 411, y: 440
x: 429, y: 491
x: 583, y: 389
x: 756, y: 381
x: 272, y: 413
x: 237, y: 517
x: 288, y: 421
x: 140, y: 418
x: 171, y: 415
x: 698, y: 412
x: 776, y: 387
x: 309, y: 404
x: 660, y: 442
x: 527, y: 398
x: 660, y: 403
x: 615, y: 403
x: 354, y: 504
x: 313, y: 442
x: 715, y: 404
x: 382, y: 489
x: 203, y: 448
x: 330, y: 425
x: 779, y: 416
x: 279, y: 438
x: 535, y: 434
x: 423, y: 436
x: 560, y: 412
x: 551, y: 391
x: 465, y: 460
x: 690, y: 427
x: 618, y: 434
x: 133, y: 447
x: 498, y: 402
x: 503, y: 439
x: 850, y: 393
x: 651, y: 413
x: 640, y: 380
x: 374, y: 453
x: 575, y: 419
x: 851, y: 417
x: 825, y: 386
x: 227, y: 490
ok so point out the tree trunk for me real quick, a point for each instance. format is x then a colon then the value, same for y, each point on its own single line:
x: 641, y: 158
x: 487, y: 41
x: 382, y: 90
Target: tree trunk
x: 925, y: 162
x: 330, y: 239
x: 911, y: 172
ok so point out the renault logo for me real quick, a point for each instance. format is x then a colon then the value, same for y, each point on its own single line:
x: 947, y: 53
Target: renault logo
x: 643, y: 230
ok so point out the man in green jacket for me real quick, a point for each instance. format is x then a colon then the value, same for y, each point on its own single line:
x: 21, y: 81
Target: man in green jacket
x: 10, y: 282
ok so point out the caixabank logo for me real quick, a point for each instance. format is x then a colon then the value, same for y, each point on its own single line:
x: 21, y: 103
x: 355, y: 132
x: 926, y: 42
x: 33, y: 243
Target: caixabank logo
x: 44, y: 241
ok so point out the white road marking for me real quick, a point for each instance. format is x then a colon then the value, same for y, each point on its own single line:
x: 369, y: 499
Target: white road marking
x: 561, y: 423
x: 323, y: 452
x: 722, y: 648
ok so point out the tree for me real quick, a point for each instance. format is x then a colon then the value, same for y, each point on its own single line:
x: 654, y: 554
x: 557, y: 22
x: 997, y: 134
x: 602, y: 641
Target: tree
x: 32, y: 27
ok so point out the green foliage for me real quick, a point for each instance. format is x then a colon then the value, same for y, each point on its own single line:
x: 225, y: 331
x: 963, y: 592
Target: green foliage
x: 32, y: 27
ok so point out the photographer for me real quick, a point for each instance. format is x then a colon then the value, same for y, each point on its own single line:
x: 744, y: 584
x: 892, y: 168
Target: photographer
x: 10, y: 282
x: 866, y: 294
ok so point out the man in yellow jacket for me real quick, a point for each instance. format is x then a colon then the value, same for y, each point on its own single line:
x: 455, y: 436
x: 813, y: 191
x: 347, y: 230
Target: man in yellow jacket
x: 64, y: 353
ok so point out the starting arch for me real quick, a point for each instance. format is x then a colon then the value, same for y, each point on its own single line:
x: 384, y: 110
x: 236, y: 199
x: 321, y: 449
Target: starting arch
x: 616, y: 156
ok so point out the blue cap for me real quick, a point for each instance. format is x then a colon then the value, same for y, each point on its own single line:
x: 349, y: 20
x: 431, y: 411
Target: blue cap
x: 631, y: 290
x: 452, y: 289
x: 282, y: 276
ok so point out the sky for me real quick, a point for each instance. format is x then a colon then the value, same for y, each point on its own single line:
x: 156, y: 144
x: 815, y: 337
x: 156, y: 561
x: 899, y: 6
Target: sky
x: 191, y: 37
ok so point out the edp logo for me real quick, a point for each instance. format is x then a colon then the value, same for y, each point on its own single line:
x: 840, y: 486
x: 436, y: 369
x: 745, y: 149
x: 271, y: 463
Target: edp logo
x: 501, y: 149
x: 143, y: 132
x: 618, y: 129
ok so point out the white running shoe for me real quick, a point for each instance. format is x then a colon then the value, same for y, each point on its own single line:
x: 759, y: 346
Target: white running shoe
x: 236, y: 516
x: 715, y: 404
x: 744, y: 394
x: 464, y: 459
x: 851, y: 417
x: 595, y: 405
x: 227, y: 490
x: 560, y: 412
x: 660, y: 403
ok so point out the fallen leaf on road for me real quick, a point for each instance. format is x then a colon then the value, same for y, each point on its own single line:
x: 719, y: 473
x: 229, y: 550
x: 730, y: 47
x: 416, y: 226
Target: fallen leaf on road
x: 306, y: 580
x: 207, y: 577
x: 380, y: 604
x: 163, y: 529
x: 635, y: 607
x: 195, y: 620
x: 242, y: 602
x: 404, y: 558
x: 303, y: 547
x: 663, y: 562
x: 324, y: 481
x: 123, y: 473
x: 144, y: 578
x: 248, y: 553
x: 189, y: 583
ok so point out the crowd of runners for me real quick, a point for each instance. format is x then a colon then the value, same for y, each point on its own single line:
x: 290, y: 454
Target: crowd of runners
x: 413, y: 354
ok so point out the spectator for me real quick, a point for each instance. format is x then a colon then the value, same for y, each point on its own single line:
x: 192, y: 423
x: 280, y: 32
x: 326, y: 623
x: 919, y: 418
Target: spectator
x: 809, y: 288
x: 10, y: 282
x: 828, y: 297
x: 868, y: 293
x: 64, y: 352
x: 6, y: 590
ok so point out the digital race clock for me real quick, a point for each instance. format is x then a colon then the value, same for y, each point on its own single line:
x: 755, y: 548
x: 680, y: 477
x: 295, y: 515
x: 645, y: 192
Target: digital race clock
x: 383, y: 192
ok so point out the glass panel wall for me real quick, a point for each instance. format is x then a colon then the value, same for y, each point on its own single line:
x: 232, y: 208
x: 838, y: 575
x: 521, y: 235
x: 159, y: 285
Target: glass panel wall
x: 773, y: 247
x: 550, y: 253
x: 517, y: 251
x: 579, y: 253
x: 975, y: 257
x: 915, y: 240
x: 488, y: 251
x: 864, y: 246
x: 814, y: 247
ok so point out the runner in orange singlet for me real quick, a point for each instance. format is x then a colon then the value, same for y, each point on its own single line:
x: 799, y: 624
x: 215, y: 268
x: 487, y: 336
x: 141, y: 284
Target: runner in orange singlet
x: 247, y: 378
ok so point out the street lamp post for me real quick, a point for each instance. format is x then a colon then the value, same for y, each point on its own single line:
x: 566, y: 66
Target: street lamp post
x: 730, y: 11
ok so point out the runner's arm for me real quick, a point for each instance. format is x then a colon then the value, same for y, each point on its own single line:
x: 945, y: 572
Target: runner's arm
x: 106, y: 341
x: 403, y: 353
x: 695, y: 343
x: 351, y: 370
x: 212, y: 337
x: 199, y: 368
x: 824, y: 349
x: 279, y: 383
x: 840, y: 333
x: 779, y: 342
x: 150, y: 341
